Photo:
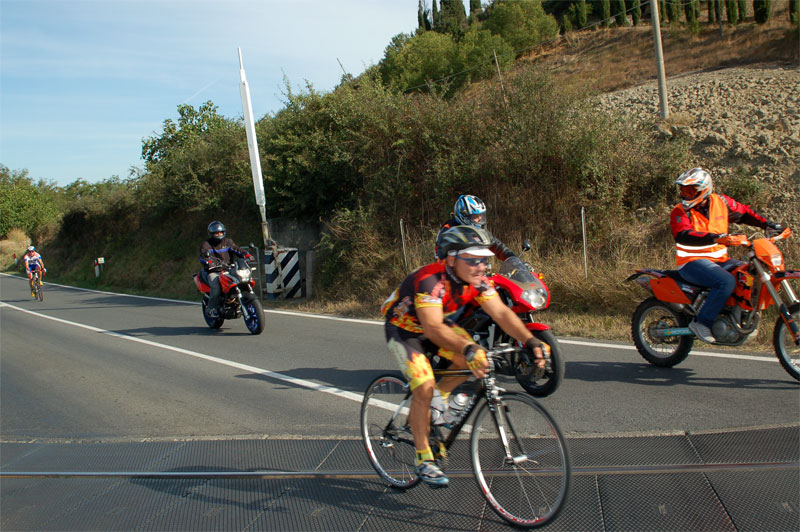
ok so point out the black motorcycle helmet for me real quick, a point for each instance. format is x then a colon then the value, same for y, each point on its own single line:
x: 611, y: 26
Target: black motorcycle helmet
x: 461, y: 237
x: 216, y: 227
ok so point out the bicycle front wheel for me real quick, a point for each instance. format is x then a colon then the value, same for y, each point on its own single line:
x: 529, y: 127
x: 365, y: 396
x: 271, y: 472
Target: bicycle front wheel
x: 386, y: 431
x: 520, y: 460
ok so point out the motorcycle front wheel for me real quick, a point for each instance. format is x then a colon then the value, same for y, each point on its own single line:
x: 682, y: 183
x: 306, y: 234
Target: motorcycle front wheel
x: 651, y: 317
x: 214, y: 323
x: 254, y: 324
x: 542, y: 383
x: 785, y: 349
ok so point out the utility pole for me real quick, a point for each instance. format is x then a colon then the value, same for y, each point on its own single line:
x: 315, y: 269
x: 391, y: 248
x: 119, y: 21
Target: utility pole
x: 662, y: 77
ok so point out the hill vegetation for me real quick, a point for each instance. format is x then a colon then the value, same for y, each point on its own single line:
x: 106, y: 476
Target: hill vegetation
x: 465, y: 105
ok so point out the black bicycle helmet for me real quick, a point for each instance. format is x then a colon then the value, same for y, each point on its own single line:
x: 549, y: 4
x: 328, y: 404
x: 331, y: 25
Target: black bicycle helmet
x: 462, y: 237
x: 216, y: 227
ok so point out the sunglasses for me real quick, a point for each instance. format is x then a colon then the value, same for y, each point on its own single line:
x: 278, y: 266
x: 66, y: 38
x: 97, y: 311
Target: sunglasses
x: 474, y: 262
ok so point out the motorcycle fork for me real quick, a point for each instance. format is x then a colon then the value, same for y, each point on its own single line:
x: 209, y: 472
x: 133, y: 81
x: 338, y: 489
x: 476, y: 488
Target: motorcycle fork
x: 791, y: 324
x: 241, y: 304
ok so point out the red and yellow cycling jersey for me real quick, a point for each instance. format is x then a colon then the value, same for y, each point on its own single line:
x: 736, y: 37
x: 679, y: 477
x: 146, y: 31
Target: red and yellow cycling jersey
x: 430, y: 286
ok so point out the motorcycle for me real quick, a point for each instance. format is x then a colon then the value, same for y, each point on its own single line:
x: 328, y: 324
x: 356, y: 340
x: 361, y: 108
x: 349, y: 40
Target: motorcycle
x: 524, y: 292
x: 238, y: 298
x: 659, y: 325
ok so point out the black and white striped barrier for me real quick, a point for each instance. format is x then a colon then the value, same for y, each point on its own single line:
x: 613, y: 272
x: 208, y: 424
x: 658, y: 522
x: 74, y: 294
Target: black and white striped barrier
x: 289, y: 270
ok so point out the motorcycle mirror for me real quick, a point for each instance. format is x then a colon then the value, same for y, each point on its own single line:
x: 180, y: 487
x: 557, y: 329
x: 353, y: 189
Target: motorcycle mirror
x: 526, y: 245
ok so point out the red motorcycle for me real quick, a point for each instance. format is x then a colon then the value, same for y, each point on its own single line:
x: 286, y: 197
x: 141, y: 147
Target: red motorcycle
x: 659, y: 324
x: 525, y: 293
x: 238, y: 298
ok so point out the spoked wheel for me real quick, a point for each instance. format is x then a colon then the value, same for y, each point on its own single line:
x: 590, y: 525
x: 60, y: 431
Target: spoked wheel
x: 787, y: 352
x: 528, y: 486
x: 542, y: 382
x: 649, y: 319
x: 254, y: 324
x: 214, y: 323
x: 386, y: 432
x: 39, y: 290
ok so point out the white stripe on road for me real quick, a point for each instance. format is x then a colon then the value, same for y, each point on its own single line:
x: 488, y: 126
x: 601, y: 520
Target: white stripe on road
x: 252, y: 369
x: 380, y: 322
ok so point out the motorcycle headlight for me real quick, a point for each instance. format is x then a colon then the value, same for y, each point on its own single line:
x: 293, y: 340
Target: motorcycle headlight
x: 244, y: 275
x: 536, y: 297
x: 777, y: 260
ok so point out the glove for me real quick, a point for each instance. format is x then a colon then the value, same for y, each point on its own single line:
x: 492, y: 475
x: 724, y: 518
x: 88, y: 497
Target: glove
x: 247, y: 256
x: 531, y: 344
x: 476, y: 356
x: 732, y: 240
x: 774, y: 226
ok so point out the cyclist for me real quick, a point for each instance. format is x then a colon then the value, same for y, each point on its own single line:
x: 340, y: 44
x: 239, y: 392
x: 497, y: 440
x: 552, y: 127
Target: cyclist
x: 420, y: 322
x: 699, y: 226
x: 33, y: 261
x: 214, y: 252
x: 470, y: 210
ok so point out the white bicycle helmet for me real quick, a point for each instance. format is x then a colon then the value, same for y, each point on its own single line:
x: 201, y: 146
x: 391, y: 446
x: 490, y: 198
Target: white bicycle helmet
x: 695, y: 186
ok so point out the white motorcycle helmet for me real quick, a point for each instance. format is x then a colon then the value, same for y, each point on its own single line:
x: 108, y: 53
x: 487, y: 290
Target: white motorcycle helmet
x: 695, y: 186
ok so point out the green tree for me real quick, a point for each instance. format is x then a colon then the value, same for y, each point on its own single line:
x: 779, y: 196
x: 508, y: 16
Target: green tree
x: 436, y: 21
x: 794, y: 11
x: 477, y: 50
x: 454, y: 18
x: 691, y: 10
x: 762, y: 10
x: 711, y: 11
x: 605, y: 12
x: 411, y: 62
x: 475, y: 8
x: 637, y: 12
x: 24, y: 204
x: 422, y: 18
x: 732, y: 11
x: 742, y: 10
x: 566, y: 24
x: 522, y: 23
x: 619, y: 13
x: 582, y: 14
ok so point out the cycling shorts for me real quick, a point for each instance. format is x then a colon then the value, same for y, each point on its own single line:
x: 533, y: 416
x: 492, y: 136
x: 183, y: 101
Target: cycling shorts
x: 413, y: 352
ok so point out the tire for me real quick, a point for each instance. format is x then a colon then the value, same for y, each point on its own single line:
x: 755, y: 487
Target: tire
x: 529, y: 491
x: 652, y: 314
x: 387, y: 435
x: 39, y: 290
x: 542, y: 384
x: 214, y: 323
x: 787, y: 352
x: 256, y: 323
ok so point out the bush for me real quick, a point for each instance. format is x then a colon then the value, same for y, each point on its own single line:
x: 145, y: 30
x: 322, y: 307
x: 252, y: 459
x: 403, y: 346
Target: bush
x: 522, y: 23
x: 24, y: 205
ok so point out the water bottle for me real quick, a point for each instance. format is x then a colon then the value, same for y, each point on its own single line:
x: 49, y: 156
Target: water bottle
x: 438, y: 407
x: 455, y: 408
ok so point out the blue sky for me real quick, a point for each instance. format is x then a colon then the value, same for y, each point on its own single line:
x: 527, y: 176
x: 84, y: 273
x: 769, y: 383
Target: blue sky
x: 82, y: 82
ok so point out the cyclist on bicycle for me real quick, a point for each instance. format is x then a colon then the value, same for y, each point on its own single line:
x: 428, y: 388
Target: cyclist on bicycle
x: 33, y: 261
x: 420, y: 322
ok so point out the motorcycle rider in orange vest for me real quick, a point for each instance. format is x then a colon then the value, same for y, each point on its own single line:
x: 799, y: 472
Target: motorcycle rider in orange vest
x: 700, y: 228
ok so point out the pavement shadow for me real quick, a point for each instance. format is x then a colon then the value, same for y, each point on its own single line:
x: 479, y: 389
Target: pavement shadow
x: 643, y: 373
x: 179, y: 331
x: 344, y: 379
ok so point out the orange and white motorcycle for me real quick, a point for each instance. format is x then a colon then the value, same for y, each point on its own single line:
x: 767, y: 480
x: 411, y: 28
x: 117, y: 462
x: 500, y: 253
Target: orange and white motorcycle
x: 660, y: 322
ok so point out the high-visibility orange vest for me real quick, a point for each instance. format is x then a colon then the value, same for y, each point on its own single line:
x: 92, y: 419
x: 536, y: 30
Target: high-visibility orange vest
x: 717, y: 222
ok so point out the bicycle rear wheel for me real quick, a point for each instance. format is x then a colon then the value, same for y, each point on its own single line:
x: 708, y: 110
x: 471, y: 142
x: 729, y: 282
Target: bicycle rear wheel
x: 528, y: 487
x: 386, y: 432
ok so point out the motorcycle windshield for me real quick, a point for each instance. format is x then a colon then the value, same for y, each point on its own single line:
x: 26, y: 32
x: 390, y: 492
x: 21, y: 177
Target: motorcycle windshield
x: 516, y: 270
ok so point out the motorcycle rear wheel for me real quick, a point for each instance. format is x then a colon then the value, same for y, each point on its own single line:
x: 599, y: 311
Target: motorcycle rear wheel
x: 553, y: 374
x: 788, y: 354
x: 214, y: 323
x: 256, y: 322
x: 665, y: 352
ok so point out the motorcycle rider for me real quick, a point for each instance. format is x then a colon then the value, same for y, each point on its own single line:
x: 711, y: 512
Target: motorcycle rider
x: 214, y: 253
x: 699, y: 226
x: 33, y: 261
x: 470, y: 210
x: 419, y: 325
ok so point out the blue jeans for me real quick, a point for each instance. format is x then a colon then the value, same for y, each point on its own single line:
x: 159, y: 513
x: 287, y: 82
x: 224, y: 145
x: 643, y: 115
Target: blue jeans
x: 713, y: 275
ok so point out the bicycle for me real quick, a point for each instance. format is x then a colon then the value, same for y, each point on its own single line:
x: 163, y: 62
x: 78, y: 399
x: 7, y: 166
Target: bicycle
x: 519, y: 456
x: 37, y: 285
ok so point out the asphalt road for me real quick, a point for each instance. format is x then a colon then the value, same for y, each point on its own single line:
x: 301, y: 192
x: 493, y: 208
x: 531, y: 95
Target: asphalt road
x: 91, y: 366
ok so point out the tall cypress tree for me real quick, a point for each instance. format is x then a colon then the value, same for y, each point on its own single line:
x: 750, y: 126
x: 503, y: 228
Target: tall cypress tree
x: 690, y: 9
x: 606, y: 12
x: 742, y: 10
x: 421, y: 22
x: 581, y: 14
x: 710, y: 6
x: 637, y: 12
x: 762, y: 10
x: 475, y: 7
x: 435, y: 22
x: 619, y: 13
x: 732, y: 11
x: 794, y: 11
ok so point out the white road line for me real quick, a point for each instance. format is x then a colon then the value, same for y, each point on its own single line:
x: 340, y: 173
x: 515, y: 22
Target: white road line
x: 380, y: 322
x: 252, y: 369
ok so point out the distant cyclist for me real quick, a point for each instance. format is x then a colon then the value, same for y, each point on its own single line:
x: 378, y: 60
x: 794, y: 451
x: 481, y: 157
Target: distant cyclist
x: 470, y: 210
x: 33, y: 262
x: 419, y: 324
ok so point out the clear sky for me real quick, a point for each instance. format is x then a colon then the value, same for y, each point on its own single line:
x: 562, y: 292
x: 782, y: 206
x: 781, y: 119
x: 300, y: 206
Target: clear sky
x: 82, y: 82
